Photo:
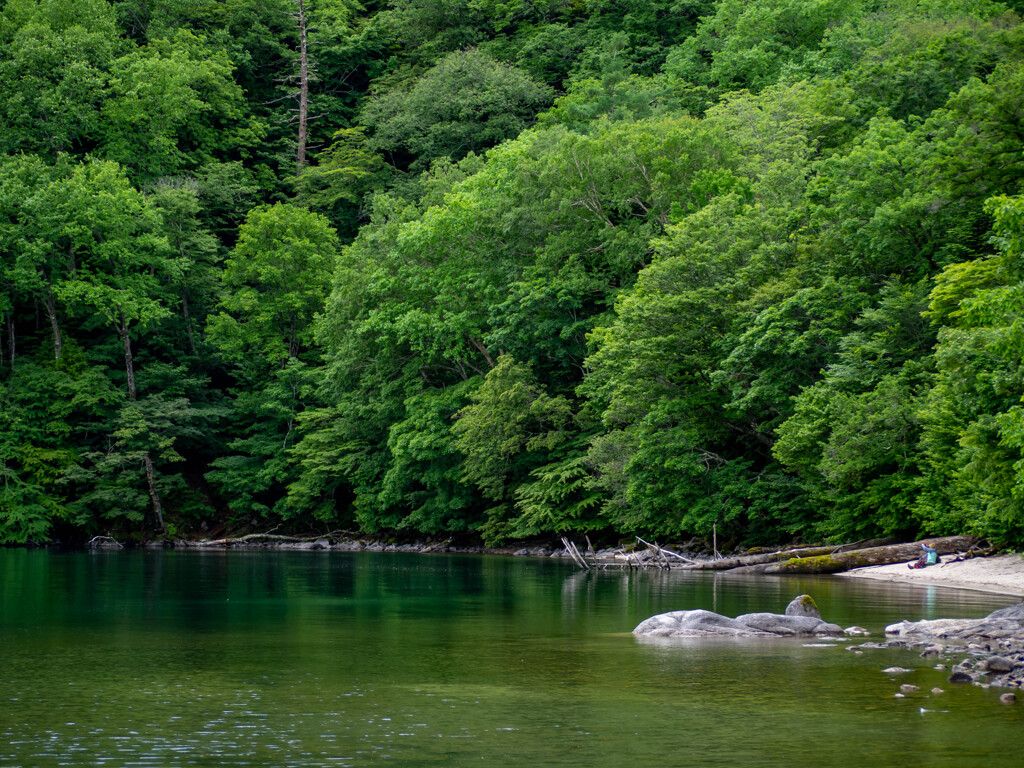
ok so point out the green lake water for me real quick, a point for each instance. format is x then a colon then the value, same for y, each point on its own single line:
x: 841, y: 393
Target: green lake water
x: 358, y: 659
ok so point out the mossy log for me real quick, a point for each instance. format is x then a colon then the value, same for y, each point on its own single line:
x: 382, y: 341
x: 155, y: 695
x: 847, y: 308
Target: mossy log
x: 837, y: 562
x: 761, y: 558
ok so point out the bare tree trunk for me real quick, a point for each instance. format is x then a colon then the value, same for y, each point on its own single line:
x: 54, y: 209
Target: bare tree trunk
x: 154, y: 495
x: 147, y: 460
x: 303, y: 87
x: 188, y: 321
x: 10, y: 339
x: 51, y: 312
x: 129, y: 361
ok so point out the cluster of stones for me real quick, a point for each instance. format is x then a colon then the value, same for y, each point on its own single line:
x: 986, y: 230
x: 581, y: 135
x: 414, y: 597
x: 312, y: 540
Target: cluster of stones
x: 801, y: 619
x: 994, y: 646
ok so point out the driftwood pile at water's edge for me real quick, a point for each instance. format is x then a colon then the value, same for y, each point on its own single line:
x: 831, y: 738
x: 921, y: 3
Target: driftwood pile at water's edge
x: 824, y: 559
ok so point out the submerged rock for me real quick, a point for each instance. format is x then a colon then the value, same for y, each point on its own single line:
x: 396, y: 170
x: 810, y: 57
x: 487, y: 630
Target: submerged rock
x: 701, y: 623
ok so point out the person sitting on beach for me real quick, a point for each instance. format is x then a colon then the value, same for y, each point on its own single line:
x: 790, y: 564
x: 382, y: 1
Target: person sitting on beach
x: 930, y: 557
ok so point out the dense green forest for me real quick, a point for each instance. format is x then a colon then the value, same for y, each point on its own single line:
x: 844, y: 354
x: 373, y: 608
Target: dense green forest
x: 510, y: 268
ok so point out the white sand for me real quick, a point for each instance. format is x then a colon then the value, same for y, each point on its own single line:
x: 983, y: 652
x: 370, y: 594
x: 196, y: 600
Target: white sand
x: 1002, y: 574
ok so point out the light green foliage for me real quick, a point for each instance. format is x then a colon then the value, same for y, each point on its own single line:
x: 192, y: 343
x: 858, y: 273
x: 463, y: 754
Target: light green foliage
x: 108, y: 233
x: 972, y: 414
x: 276, y: 280
x: 157, y: 426
x: 853, y: 434
x: 883, y: 213
x: 173, y: 106
x: 746, y: 44
x: 54, y: 56
x: 979, y: 134
x: 906, y: 58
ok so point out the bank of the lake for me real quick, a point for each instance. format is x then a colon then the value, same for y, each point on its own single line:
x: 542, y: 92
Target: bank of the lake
x: 998, y: 574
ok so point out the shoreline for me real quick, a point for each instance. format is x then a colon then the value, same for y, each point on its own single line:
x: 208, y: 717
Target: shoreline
x: 997, y: 574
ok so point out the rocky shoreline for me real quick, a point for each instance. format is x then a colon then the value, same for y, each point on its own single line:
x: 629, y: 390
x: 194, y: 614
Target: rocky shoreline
x: 608, y: 556
x: 994, y: 645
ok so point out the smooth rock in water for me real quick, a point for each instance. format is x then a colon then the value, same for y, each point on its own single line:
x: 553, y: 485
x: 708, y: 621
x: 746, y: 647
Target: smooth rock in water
x: 909, y: 688
x: 1008, y: 698
x: 701, y: 623
x: 856, y: 632
x: 959, y: 676
x: 937, y: 691
x: 896, y: 670
x: 899, y: 696
x: 940, y: 667
x: 787, y: 624
x: 697, y: 623
x: 803, y: 605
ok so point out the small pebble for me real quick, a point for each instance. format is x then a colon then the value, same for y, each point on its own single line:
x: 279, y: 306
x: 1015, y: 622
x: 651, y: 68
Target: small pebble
x: 896, y: 670
x: 908, y: 688
x: 939, y: 666
x: 898, y: 696
x: 1008, y: 698
x: 937, y: 691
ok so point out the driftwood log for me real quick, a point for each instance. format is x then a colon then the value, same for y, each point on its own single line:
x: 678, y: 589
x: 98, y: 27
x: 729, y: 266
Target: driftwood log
x: 265, y: 537
x: 836, y: 562
x: 729, y: 563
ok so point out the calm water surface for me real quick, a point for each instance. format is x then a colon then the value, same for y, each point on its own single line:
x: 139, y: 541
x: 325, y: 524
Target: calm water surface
x: 356, y: 659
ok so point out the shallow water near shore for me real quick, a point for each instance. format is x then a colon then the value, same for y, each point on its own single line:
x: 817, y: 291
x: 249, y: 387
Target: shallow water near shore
x: 352, y: 659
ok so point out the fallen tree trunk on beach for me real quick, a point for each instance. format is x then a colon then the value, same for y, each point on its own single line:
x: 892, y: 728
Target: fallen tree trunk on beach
x: 729, y: 563
x: 836, y: 562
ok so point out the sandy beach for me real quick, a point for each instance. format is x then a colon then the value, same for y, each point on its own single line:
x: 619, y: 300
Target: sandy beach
x: 1002, y: 574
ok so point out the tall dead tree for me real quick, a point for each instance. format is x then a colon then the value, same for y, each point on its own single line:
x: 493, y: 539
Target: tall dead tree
x: 304, y: 75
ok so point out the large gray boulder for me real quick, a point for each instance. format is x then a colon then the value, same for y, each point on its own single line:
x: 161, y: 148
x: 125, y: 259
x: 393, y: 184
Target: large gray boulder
x: 700, y: 623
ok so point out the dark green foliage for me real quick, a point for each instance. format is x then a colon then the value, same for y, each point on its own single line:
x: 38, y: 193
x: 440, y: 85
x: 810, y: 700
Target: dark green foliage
x: 658, y: 267
x: 466, y: 103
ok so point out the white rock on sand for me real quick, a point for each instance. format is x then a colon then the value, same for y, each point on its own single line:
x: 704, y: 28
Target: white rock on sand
x: 1002, y: 574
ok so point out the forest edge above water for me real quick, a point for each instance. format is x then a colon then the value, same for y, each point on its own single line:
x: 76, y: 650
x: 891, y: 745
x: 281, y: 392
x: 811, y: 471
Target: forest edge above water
x: 499, y: 271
